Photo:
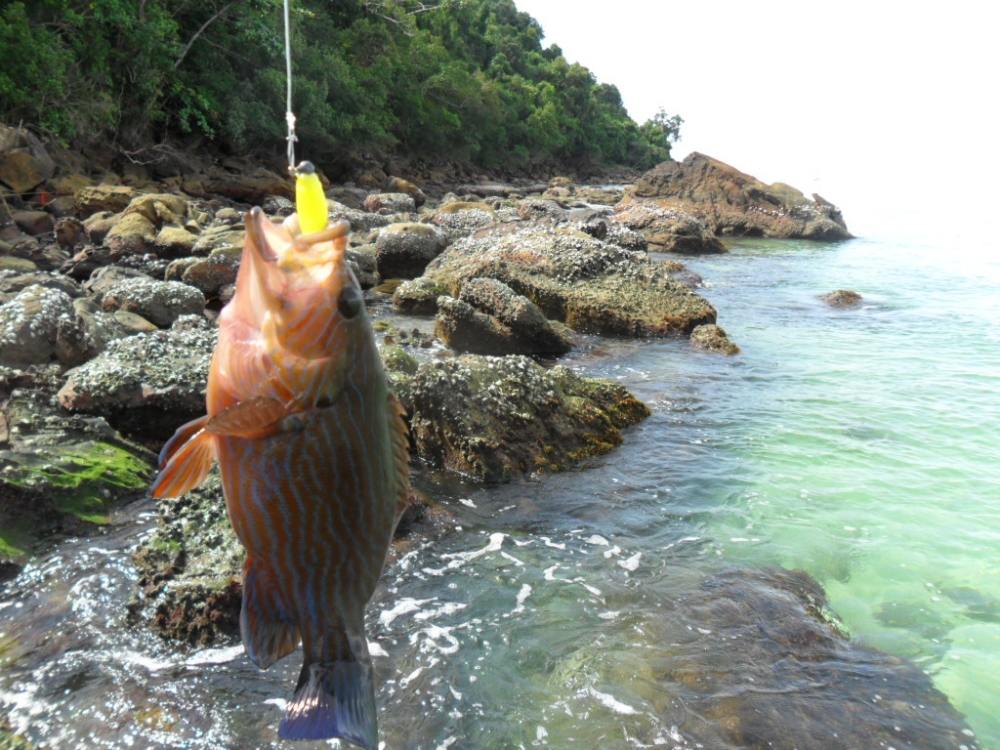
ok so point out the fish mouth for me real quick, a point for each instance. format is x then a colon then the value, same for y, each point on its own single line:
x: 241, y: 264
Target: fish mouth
x: 265, y: 236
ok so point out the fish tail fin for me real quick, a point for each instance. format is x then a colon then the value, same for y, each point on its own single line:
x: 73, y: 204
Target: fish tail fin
x: 333, y: 699
x: 269, y: 630
x: 185, y: 460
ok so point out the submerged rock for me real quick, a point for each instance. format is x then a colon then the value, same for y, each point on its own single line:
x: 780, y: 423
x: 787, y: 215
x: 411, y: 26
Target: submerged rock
x: 496, y: 418
x: 713, y: 338
x: 590, y: 285
x: 842, y: 298
x: 733, y: 203
x: 766, y: 668
x: 490, y: 318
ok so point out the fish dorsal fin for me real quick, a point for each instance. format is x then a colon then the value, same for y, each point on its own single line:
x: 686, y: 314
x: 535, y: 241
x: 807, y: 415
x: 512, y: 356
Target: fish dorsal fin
x: 399, y: 436
x: 255, y: 417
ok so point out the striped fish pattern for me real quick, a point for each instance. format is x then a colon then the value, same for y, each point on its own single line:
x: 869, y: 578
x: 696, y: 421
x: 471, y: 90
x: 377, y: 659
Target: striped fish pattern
x: 312, y: 450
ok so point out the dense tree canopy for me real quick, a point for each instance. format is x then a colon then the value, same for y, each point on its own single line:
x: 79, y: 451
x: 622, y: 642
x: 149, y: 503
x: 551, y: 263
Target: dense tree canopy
x: 466, y: 80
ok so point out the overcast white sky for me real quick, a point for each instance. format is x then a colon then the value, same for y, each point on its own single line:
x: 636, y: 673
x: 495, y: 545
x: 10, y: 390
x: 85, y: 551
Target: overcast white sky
x: 888, y: 109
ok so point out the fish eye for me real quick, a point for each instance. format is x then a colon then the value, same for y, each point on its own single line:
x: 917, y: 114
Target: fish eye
x: 350, y: 302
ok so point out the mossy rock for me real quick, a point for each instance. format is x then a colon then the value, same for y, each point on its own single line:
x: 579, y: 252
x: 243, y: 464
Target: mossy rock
x: 61, y: 474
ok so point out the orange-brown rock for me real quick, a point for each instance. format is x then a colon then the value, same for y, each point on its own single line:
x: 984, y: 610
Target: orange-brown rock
x: 732, y: 203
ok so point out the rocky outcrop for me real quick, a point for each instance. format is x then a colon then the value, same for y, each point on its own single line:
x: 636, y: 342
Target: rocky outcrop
x: 400, y: 185
x: 490, y: 318
x: 497, y: 418
x: 713, y: 338
x: 732, y: 203
x: 390, y: 203
x: 459, y: 219
x: 24, y: 162
x: 590, y: 285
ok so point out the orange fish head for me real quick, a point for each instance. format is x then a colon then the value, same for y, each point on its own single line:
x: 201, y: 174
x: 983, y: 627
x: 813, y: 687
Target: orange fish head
x: 297, y: 289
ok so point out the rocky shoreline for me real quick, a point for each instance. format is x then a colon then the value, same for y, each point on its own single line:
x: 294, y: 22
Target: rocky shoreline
x: 109, y: 289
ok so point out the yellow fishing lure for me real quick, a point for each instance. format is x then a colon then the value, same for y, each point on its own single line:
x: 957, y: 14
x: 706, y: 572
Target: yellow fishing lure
x: 310, y: 201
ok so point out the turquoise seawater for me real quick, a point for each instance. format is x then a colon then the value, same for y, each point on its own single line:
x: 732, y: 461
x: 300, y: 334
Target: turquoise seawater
x: 858, y: 445
x: 868, y: 452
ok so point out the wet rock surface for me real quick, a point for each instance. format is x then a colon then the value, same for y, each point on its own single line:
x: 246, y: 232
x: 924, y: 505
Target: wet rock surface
x: 497, y: 418
x: 731, y: 202
x: 590, y: 285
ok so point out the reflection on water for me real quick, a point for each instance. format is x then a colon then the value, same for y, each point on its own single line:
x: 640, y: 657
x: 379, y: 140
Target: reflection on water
x: 856, y: 445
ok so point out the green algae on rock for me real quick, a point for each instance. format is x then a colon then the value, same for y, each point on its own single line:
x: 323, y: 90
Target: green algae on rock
x: 59, y: 473
x: 590, y: 285
x: 497, y: 418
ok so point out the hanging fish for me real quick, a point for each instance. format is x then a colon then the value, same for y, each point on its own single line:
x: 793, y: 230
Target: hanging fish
x: 313, y: 454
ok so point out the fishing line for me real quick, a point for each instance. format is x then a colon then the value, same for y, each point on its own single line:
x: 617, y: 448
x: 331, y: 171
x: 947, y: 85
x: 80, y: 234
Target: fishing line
x: 289, y: 115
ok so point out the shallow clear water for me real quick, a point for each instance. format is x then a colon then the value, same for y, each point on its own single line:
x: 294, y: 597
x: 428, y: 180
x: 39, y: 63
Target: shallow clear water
x: 858, y: 445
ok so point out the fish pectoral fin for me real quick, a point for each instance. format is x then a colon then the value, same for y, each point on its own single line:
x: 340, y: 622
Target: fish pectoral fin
x: 399, y: 436
x: 181, y: 435
x: 333, y: 699
x: 185, y: 460
x: 255, y: 417
x: 266, y: 624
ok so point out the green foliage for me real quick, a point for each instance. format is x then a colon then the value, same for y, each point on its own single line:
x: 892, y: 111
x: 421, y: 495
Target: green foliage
x: 457, y: 79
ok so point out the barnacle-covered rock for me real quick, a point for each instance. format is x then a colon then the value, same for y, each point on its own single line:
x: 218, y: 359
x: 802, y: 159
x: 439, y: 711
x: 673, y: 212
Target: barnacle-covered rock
x: 590, y: 285
x: 497, y: 418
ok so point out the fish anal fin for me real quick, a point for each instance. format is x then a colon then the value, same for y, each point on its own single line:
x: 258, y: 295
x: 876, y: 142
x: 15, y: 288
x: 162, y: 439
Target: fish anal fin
x: 255, y: 417
x: 185, y: 464
x: 268, y: 628
x: 333, y: 699
x: 399, y: 437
